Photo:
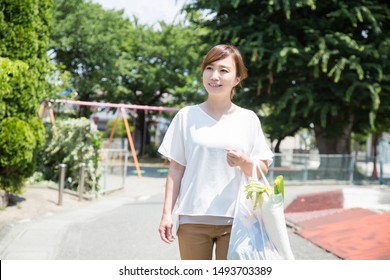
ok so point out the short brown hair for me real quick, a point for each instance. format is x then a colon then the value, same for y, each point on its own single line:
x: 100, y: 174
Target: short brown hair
x: 222, y: 51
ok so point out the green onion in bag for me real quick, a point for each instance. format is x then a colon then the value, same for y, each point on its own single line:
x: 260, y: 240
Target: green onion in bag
x: 258, y: 189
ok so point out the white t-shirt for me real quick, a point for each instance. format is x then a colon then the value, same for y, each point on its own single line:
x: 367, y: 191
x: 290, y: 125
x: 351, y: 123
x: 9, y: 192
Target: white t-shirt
x: 197, y: 141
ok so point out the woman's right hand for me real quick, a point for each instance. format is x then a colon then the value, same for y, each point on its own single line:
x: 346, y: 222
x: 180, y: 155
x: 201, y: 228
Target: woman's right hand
x: 172, y: 188
x: 165, y: 228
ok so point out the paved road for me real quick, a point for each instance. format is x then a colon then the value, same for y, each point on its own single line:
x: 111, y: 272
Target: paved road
x: 122, y: 225
x: 128, y: 231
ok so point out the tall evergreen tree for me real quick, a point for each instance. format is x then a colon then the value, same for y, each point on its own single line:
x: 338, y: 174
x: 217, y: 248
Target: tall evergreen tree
x: 25, y: 26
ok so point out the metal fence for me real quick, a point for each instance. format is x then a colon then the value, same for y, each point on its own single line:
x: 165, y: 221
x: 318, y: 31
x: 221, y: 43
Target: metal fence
x: 113, y: 168
x: 295, y: 168
x: 338, y: 168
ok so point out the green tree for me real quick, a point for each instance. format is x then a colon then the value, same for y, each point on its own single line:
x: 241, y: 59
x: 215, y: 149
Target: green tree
x: 159, y: 67
x: 160, y: 63
x: 25, y: 26
x: 324, y: 63
x: 87, y: 42
x: 115, y: 59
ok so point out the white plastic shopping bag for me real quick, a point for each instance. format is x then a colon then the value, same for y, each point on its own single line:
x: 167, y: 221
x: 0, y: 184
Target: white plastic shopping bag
x: 259, y: 232
x: 248, y: 239
x: 272, y: 213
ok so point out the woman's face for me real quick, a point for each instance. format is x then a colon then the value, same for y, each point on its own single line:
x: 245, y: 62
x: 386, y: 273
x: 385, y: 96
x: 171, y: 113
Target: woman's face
x: 219, y: 77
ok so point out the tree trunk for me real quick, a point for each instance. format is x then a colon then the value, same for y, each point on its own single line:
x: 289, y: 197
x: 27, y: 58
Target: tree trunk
x: 144, y: 132
x: 278, y: 159
x: 328, y: 142
x: 277, y: 146
x: 334, y: 146
x: 84, y: 111
x: 327, y: 145
x: 374, y: 145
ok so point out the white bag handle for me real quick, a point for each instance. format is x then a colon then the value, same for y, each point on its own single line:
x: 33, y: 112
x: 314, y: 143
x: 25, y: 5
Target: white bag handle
x: 255, y: 166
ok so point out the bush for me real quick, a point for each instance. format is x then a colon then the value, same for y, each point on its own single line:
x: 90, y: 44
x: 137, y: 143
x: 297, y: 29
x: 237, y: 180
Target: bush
x: 72, y: 141
x: 18, y: 143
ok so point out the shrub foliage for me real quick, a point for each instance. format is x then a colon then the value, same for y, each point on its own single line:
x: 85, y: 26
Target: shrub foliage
x: 72, y: 141
x: 25, y: 26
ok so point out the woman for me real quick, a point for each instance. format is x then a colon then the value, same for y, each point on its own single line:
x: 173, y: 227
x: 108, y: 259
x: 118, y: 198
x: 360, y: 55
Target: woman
x: 210, y: 146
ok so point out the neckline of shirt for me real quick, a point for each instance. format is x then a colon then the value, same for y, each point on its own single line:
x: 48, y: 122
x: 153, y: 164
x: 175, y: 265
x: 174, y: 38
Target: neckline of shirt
x: 224, y: 116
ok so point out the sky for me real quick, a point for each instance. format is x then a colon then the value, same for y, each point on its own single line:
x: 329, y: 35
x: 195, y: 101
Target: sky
x: 147, y: 11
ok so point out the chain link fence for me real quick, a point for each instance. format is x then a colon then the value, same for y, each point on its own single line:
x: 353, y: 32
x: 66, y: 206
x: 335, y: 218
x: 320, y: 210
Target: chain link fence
x: 353, y: 169
x: 296, y: 168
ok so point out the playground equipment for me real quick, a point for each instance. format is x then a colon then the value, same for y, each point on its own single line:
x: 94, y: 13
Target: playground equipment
x: 48, y: 105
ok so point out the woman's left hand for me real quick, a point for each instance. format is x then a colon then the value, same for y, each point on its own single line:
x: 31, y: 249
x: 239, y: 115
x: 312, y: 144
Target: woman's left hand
x: 239, y: 159
x: 235, y: 158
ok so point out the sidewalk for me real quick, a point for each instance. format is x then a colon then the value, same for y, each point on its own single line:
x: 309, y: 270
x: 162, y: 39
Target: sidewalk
x: 319, y: 216
x: 37, y: 200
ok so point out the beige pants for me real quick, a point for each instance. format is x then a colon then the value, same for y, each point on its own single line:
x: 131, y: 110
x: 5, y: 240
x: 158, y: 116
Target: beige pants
x: 197, y: 241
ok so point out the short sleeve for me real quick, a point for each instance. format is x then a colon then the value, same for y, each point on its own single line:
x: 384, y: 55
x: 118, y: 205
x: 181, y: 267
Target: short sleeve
x: 172, y: 146
x: 261, y: 150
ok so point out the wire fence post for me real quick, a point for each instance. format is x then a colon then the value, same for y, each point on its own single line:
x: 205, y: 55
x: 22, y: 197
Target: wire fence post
x: 81, y: 183
x: 306, y: 168
x: 352, y: 168
x: 125, y: 169
x: 106, y: 159
x: 61, y: 182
